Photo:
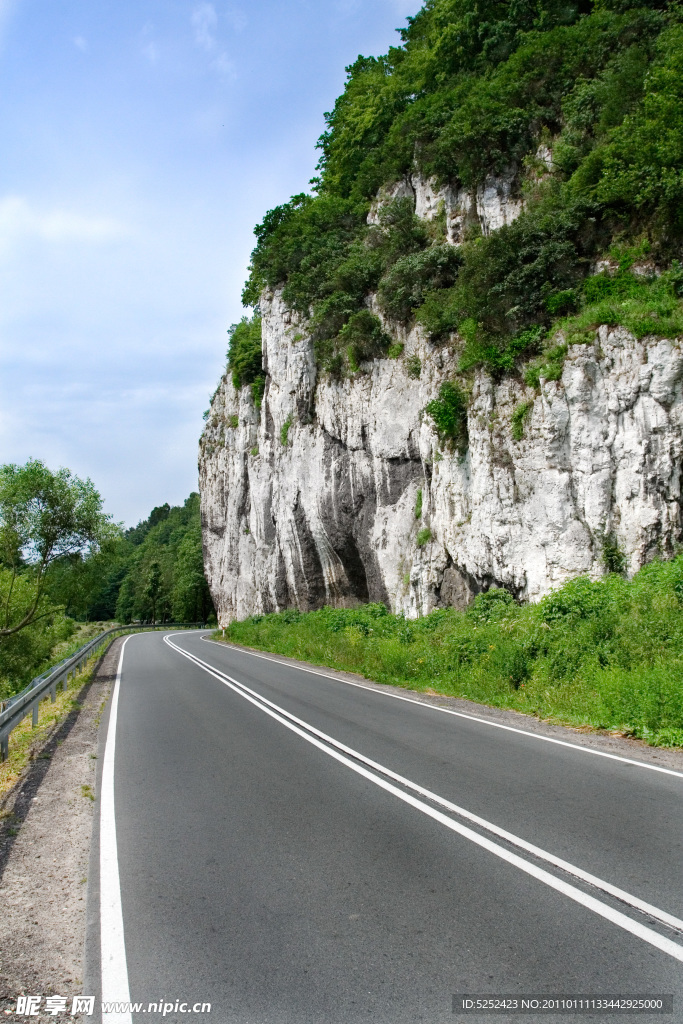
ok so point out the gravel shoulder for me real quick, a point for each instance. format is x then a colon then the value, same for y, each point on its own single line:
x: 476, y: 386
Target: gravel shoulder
x: 44, y: 854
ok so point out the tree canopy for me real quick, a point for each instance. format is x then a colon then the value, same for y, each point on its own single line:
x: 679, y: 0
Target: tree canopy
x: 44, y: 517
x: 479, y: 88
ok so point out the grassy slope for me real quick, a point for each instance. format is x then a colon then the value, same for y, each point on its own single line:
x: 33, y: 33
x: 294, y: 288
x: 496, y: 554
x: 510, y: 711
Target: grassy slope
x: 605, y: 654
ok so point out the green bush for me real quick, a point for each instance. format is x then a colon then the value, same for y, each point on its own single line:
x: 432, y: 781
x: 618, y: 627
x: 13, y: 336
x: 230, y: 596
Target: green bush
x: 490, y: 606
x: 643, y: 305
x: 245, y: 360
x: 473, y: 89
x: 413, y: 366
x: 449, y: 414
x: 404, y: 287
x: 363, y: 337
x: 602, y: 653
x: 439, y: 313
x: 284, y: 431
x: 613, y: 556
x: 418, y: 504
x: 423, y: 537
x: 519, y: 418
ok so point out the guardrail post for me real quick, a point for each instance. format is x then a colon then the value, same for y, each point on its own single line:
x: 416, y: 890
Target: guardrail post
x: 4, y: 748
x: 53, y: 692
x: 34, y: 718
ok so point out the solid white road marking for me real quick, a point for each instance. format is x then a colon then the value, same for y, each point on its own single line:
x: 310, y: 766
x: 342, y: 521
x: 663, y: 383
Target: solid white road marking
x: 112, y: 944
x: 536, y: 851
x: 602, y: 909
x: 446, y: 711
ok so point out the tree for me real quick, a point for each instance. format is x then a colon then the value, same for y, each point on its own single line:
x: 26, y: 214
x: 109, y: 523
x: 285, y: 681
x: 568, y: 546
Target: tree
x: 45, y: 517
x: 153, y: 587
x: 191, y: 597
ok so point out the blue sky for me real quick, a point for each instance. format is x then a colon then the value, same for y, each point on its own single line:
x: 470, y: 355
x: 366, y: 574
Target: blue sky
x: 141, y: 143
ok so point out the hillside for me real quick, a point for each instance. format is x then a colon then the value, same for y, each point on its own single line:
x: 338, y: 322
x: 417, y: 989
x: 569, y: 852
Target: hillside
x: 562, y: 129
x: 462, y: 365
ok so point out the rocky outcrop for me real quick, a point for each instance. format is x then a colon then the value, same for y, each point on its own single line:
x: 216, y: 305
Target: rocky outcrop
x: 312, y: 498
x: 490, y: 206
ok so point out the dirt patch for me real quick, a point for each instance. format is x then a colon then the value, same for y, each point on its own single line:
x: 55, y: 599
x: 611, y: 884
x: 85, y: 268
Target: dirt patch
x: 44, y: 852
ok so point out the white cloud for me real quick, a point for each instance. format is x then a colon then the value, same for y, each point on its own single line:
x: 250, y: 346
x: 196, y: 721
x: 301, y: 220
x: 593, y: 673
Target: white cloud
x: 80, y: 43
x: 204, y: 21
x: 151, y: 52
x: 224, y: 66
x: 148, y: 47
x: 237, y: 19
x: 19, y: 220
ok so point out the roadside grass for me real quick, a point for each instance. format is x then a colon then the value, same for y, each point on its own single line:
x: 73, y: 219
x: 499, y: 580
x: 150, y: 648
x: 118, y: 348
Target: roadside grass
x: 84, y: 632
x: 605, y: 654
x: 26, y: 743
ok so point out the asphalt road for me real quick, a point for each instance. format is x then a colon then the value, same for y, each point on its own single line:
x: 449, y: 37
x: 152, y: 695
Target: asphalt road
x: 269, y: 862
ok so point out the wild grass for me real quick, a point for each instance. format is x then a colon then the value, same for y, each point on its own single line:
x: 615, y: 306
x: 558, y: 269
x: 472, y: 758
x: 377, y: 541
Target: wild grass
x: 607, y: 654
x: 26, y: 743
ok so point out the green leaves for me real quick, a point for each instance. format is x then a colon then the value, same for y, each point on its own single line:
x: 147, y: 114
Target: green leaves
x: 472, y: 91
x: 164, y: 572
x: 363, y: 337
x: 449, y: 414
x: 640, y: 165
x: 412, y: 277
x: 595, y: 653
x: 245, y: 358
x: 44, y: 516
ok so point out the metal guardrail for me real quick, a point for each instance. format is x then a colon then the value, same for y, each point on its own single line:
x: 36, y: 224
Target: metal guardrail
x: 15, y: 709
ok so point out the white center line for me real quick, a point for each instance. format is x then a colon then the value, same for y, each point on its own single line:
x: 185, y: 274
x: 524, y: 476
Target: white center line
x: 446, y: 711
x: 603, y: 910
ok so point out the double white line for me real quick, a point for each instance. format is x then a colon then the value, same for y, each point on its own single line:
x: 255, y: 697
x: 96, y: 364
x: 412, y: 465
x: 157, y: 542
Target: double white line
x: 379, y: 775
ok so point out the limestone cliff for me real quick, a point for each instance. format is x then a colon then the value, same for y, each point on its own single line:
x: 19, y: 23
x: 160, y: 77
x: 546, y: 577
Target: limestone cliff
x: 312, y: 498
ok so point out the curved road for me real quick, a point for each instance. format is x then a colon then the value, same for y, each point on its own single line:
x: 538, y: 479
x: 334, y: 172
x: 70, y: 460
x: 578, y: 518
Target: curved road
x: 296, y: 849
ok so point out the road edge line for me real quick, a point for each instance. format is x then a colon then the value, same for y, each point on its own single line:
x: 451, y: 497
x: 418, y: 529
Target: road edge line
x: 113, y: 965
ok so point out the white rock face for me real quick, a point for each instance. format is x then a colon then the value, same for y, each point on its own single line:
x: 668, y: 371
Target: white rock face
x: 323, y: 511
x: 492, y: 205
x: 496, y: 204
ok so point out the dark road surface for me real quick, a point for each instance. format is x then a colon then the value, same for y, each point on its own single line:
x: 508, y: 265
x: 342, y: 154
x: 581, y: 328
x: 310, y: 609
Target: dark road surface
x: 267, y: 871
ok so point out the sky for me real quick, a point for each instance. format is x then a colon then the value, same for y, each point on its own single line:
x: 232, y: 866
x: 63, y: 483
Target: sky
x: 142, y: 141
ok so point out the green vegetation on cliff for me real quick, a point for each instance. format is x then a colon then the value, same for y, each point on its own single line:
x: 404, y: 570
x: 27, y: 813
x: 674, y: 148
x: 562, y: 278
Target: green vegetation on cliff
x: 607, y: 654
x: 580, y: 103
x: 245, y: 360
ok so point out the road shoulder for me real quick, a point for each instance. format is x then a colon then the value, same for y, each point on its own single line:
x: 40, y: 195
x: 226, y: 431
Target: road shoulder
x: 44, y: 854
